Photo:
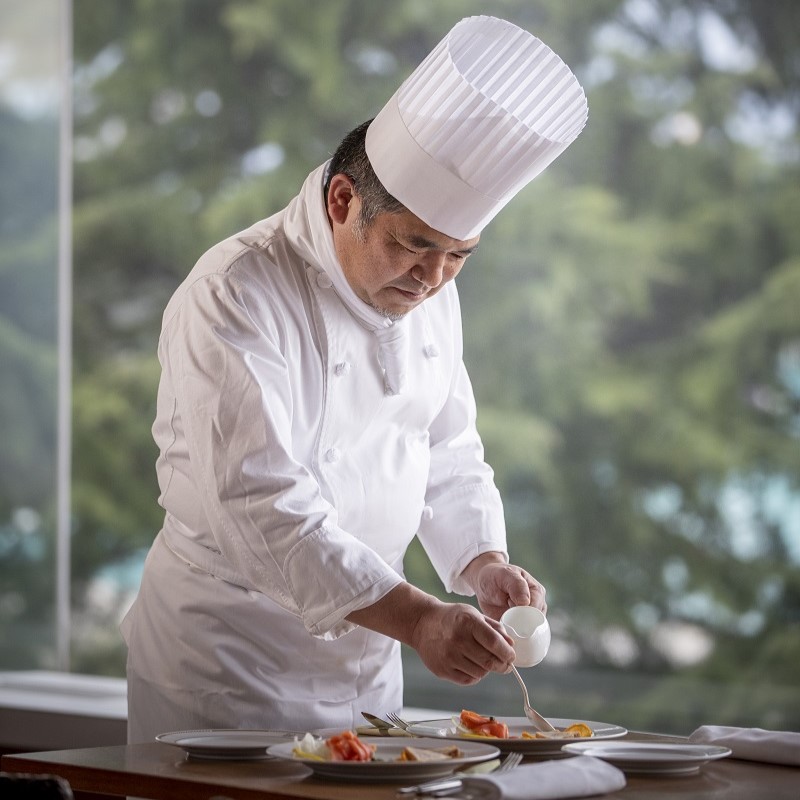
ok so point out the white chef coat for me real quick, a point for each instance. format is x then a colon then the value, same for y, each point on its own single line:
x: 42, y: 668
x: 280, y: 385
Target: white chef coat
x: 292, y: 482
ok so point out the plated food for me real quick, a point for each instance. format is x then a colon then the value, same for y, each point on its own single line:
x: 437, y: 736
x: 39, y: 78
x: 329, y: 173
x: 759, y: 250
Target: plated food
x: 391, y: 759
x: 522, y: 736
x: 347, y: 746
x: 470, y: 723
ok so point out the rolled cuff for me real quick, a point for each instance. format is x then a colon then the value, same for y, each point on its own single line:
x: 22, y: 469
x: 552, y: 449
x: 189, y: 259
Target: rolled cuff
x: 332, y: 574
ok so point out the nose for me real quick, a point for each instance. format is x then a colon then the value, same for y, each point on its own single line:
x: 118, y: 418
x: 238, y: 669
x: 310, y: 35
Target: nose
x: 429, y: 270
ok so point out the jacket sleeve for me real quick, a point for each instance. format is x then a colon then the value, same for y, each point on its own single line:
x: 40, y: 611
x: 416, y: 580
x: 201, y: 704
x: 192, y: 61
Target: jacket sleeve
x: 270, y: 523
x: 465, y: 513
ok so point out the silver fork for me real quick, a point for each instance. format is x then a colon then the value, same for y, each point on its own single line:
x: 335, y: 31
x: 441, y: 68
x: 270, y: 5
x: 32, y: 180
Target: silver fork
x: 400, y: 723
x: 441, y: 787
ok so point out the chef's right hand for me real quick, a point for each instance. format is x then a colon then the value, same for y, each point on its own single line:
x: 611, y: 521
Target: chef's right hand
x: 456, y: 642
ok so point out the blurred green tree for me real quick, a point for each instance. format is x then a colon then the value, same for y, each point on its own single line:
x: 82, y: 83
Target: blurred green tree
x: 631, y: 318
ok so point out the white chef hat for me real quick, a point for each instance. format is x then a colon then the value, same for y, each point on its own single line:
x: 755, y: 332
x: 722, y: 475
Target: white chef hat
x: 488, y: 109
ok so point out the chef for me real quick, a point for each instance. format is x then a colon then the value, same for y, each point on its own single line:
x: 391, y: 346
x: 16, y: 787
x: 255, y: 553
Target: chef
x: 314, y: 415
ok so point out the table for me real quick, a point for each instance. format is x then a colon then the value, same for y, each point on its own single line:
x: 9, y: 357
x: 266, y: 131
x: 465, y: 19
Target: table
x: 158, y: 771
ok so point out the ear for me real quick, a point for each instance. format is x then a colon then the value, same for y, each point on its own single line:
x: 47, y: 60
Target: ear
x: 340, y: 194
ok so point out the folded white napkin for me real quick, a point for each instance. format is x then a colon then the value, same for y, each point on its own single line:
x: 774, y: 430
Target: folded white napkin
x: 753, y: 744
x: 580, y: 776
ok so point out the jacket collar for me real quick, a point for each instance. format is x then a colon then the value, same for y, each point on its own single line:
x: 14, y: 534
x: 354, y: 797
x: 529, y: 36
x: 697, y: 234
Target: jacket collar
x: 309, y: 233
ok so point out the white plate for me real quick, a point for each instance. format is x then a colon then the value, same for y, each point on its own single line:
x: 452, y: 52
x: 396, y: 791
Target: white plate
x: 225, y: 743
x: 651, y: 758
x: 532, y: 748
x: 385, y: 767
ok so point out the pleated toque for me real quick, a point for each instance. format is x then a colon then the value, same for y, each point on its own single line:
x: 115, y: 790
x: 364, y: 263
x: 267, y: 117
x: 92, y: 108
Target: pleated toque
x: 486, y: 111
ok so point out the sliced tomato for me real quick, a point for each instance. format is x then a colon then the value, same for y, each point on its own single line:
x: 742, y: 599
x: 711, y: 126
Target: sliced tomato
x: 346, y: 746
x: 484, y: 726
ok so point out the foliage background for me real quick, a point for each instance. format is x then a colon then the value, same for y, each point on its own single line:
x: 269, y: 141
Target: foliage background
x: 631, y: 324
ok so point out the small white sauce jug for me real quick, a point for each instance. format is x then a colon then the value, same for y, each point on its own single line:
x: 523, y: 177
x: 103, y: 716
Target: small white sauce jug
x: 530, y: 630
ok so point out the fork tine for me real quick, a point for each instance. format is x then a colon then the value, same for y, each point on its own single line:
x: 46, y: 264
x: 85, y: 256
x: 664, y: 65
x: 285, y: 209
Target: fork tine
x: 401, y: 723
x: 509, y: 762
x: 440, y: 787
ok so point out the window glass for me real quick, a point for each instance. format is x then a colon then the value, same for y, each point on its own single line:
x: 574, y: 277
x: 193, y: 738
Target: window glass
x: 29, y: 150
x: 630, y: 324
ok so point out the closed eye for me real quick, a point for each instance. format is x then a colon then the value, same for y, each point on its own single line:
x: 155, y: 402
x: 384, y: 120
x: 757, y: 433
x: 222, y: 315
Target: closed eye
x: 397, y: 243
x: 458, y: 255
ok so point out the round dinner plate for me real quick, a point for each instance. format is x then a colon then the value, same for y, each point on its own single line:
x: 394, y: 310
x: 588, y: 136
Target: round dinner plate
x: 531, y: 748
x: 650, y: 757
x: 225, y: 743
x: 385, y: 766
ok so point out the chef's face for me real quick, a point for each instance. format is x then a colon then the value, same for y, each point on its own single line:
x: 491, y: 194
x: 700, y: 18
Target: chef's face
x: 397, y: 261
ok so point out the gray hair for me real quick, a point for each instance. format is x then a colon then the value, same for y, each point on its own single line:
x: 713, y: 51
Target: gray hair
x: 351, y: 159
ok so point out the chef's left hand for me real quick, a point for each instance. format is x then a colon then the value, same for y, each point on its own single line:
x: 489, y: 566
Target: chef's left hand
x: 499, y: 586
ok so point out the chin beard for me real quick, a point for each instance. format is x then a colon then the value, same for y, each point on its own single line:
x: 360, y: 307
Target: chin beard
x: 395, y: 316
